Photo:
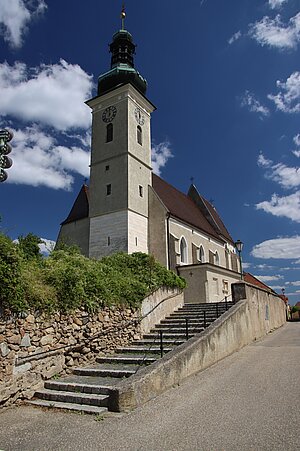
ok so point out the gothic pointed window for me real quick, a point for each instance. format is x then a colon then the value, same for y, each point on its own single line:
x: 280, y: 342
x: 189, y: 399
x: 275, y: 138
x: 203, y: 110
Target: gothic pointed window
x: 109, y: 132
x: 201, y: 256
x: 217, y: 259
x: 139, y: 135
x: 183, y: 251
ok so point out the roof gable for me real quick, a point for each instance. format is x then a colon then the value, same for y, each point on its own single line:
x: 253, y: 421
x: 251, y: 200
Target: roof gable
x: 185, y: 208
x: 80, y: 209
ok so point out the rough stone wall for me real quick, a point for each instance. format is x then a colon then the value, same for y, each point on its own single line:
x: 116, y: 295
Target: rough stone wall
x: 36, y: 347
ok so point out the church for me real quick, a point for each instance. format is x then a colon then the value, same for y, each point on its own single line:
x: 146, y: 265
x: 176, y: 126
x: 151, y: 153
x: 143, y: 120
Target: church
x: 127, y: 208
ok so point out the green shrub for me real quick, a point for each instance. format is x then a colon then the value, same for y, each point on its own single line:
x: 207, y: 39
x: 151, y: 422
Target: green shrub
x: 11, y: 292
x: 67, y: 280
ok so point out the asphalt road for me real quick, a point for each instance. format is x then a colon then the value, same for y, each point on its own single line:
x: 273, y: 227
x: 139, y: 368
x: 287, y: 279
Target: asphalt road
x: 248, y: 401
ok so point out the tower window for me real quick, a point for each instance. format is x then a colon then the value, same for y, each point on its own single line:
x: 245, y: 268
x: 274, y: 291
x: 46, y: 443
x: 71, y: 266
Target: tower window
x: 141, y: 193
x: 109, y: 132
x: 108, y: 241
x: 108, y: 190
x: 107, y: 167
x: 183, y: 251
x: 139, y: 135
x: 136, y: 241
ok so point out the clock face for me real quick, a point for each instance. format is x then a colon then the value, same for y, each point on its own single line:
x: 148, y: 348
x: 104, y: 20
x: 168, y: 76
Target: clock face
x: 109, y: 114
x: 140, y: 118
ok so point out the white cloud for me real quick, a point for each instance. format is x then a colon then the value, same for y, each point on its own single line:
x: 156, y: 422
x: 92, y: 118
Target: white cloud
x: 49, y: 94
x: 263, y: 162
x: 296, y: 153
x: 276, y: 4
x: 160, y: 154
x: 288, y: 99
x: 286, y: 206
x: 269, y: 278
x: 296, y: 283
x: 296, y: 139
x: 274, y: 33
x: 235, y: 37
x: 287, y: 176
x: 287, y: 248
x: 264, y: 266
x: 39, y: 161
x: 46, y: 246
x: 246, y: 265
x: 248, y: 100
x: 15, y: 16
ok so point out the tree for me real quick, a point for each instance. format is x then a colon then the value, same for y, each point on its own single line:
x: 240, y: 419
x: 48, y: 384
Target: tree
x: 29, y: 246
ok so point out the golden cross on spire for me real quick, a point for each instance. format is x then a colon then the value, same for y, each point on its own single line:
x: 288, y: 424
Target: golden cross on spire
x: 123, y: 15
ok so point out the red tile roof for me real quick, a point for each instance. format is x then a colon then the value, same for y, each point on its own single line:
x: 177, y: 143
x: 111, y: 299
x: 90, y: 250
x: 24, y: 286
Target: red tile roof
x: 183, y: 208
x: 249, y: 278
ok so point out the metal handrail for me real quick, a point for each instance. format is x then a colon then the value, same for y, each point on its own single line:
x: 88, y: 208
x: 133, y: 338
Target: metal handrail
x: 85, y: 341
x: 160, y: 332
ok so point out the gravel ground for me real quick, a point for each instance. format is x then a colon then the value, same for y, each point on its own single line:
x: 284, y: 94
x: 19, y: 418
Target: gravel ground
x: 248, y: 401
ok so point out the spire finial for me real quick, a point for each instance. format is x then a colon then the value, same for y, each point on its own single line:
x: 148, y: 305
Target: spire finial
x: 123, y: 15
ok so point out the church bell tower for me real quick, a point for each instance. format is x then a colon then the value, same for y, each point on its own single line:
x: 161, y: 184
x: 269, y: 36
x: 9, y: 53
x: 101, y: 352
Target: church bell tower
x: 120, y: 155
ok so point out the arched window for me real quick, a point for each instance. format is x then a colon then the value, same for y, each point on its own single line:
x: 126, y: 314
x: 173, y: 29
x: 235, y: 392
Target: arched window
x: 201, y: 256
x: 183, y: 251
x: 217, y: 259
x: 139, y: 135
x: 109, y: 132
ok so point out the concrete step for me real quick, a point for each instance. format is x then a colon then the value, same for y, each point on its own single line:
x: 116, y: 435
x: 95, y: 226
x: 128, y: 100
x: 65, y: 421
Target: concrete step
x: 190, y: 315
x: 134, y: 359
x: 73, y: 397
x: 69, y: 406
x: 79, y: 387
x: 151, y: 349
x: 182, y: 321
x: 169, y: 335
x: 151, y: 342
x: 108, y: 371
x: 176, y: 329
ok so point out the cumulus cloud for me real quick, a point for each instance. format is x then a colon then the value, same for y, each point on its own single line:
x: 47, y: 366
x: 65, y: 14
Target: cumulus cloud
x: 274, y: 33
x: 276, y: 4
x: 287, y: 176
x: 39, y: 161
x: 296, y: 139
x: 288, y: 98
x: 15, y: 16
x: 51, y: 94
x: 249, y: 101
x: 285, y: 206
x: 46, y: 246
x: 285, y: 248
x: 160, y: 154
x: 269, y: 278
x: 235, y: 37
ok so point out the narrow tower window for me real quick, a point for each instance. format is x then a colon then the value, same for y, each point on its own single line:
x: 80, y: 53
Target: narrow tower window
x: 108, y: 190
x: 201, y: 256
x: 109, y: 132
x: 108, y: 241
x: 183, y: 250
x: 141, y: 191
x: 139, y: 135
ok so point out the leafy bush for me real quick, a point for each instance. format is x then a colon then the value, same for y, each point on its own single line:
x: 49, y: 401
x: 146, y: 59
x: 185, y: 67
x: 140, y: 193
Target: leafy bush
x: 67, y: 280
x: 12, y: 292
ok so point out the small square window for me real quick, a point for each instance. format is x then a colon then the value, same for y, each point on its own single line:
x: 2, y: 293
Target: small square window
x: 107, y: 167
x: 141, y: 193
x: 108, y: 190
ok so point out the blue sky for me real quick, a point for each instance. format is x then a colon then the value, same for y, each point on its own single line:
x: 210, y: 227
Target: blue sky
x: 225, y: 78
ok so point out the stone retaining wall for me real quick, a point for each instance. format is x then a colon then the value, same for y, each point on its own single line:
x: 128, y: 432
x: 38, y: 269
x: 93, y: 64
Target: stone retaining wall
x: 38, y: 347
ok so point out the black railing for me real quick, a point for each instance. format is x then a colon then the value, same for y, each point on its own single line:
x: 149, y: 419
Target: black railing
x: 189, y: 329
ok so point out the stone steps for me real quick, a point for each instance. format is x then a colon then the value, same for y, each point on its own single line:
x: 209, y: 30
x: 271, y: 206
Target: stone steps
x: 88, y: 388
x: 133, y: 359
x: 73, y: 397
x: 70, y: 406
